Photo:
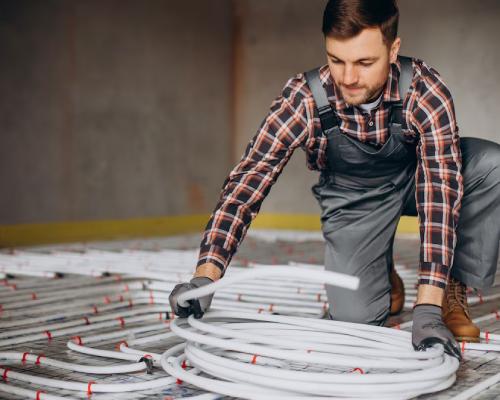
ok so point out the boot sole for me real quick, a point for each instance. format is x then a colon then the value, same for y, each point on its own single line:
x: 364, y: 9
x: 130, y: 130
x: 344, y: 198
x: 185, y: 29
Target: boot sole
x: 468, y: 339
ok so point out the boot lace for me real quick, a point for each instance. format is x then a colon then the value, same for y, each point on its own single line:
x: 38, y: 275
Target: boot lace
x: 456, y: 296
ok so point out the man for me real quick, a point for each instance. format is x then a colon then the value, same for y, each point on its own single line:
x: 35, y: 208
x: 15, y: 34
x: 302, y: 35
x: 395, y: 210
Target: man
x: 383, y: 133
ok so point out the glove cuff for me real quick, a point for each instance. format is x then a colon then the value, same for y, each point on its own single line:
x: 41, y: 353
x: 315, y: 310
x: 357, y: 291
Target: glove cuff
x: 200, y: 281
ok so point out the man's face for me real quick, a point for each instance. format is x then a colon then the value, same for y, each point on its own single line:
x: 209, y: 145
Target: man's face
x: 360, y: 65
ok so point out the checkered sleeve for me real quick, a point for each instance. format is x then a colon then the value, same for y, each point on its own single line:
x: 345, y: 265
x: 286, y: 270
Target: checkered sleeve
x: 439, y: 186
x: 284, y: 129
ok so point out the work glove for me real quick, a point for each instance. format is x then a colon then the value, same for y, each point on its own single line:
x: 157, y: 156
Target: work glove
x: 429, y: 329
x: 197, y: 307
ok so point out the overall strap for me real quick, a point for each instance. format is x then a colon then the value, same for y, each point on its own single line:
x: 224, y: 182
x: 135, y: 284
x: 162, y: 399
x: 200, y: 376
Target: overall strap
x: 405, y: 79
x: 326, y: 114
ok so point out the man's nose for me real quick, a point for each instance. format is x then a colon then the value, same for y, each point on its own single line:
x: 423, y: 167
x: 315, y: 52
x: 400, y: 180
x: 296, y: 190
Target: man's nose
x: 350, y: 75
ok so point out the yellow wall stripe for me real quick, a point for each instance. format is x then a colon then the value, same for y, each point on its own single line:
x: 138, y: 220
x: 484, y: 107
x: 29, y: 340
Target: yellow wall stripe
x: 311, y: 222
x: 84, y: 231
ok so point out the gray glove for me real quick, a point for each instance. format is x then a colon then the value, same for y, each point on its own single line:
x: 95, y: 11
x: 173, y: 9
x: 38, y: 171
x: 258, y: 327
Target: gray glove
x: 197, y: 307
x: 429, y: 329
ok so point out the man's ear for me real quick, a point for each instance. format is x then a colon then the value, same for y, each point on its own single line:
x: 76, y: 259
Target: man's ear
x: 393, y: 56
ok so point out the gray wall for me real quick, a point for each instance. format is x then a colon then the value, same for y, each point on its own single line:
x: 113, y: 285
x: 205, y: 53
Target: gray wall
x: 280, y: 38
x: 112, y: 109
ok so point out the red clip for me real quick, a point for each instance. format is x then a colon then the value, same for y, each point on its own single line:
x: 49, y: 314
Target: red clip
x: 87, y: 322
x: 37, y: 362
x: 120, y: 343
x: 481, y: 301
x: 120, y: 299
x: 23, y: 360
x: 38, y: 393
x: 89, y: 388
x: 271, y: 306
x: 122, y: 321
x: 497, y: 315
x: 254, y: 359
x: 107, y: 300
x: 183, y: 365
x: 78, y: 340
x: 96, y: 311
x: 463, y: 346
x: 49, y: 335
x: 126, y: 288
x: 5, y: 371
x: 151, y: 298
x: 487, y: 336
x: 130, y: 304
x: 33, y: 296
x: 358, y: 370
x: 239, y: 297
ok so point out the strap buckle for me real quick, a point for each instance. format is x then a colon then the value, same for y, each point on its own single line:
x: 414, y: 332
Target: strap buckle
x: 327, y: 117
x: 397, y: 113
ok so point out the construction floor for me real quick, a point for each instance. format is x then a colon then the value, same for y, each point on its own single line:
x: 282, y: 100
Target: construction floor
x: 262, y: 247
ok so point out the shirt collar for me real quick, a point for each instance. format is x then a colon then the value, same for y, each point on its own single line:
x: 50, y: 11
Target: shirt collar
x: 390, y: 93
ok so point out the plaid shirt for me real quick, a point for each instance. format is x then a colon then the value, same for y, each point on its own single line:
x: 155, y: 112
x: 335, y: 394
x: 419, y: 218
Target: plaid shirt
x: 292, y: 122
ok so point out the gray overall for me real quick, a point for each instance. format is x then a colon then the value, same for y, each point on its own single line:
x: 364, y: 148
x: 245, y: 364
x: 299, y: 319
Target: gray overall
x: 364, y: 191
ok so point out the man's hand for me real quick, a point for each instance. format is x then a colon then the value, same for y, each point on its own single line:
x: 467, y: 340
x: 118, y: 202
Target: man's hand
x: 429, y: 329
x: 197, y: 307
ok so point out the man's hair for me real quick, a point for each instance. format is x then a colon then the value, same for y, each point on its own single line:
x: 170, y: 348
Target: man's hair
x: 344, y: 19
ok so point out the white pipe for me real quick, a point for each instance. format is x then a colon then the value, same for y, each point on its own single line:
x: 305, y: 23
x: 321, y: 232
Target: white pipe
x: 328, y: 277
x: 470, y: 392
x: 88, y: 369
x: 29, y: 394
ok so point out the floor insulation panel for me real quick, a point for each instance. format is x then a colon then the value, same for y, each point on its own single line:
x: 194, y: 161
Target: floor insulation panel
x: 54, y: 294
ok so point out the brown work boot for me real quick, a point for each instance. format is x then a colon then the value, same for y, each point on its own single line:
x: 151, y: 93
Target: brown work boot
x: 456, y: 312
x: 397, y: 292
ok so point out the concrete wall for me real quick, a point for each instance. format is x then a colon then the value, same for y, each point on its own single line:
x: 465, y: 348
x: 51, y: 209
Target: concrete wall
x: 460, y: 39
x: 282, y: 37
x: 112, y: 109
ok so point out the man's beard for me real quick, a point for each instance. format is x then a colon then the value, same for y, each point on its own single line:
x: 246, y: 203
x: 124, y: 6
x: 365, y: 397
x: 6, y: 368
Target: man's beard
x: 362, y: 96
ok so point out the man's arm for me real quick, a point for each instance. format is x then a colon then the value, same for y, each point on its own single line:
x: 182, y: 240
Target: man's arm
x: 286, y: 127
x: 439, y: 186
x: 439, y: 191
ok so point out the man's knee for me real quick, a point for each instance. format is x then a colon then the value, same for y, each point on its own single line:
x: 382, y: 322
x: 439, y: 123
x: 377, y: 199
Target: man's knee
x: 358, y: 312
x: 481, y: 158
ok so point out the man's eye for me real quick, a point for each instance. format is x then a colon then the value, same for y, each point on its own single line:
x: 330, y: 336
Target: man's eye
x: 366, y: 64
x: 336, y: 62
